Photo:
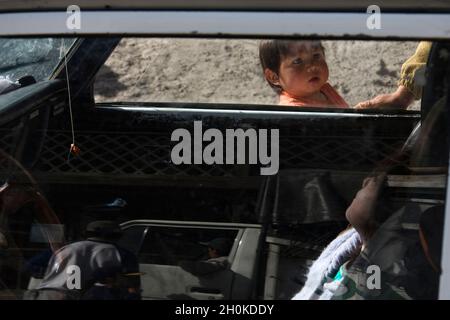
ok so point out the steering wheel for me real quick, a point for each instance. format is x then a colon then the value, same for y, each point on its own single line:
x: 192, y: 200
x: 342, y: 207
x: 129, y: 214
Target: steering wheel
x: 17, y: 190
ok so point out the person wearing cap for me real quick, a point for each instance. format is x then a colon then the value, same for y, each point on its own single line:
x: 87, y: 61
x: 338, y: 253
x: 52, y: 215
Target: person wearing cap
x: 218, y: 250
x: 99, y: 261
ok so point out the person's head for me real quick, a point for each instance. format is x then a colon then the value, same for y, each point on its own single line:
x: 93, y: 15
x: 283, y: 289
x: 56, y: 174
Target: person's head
x: 103, y: 230
x: 219, y: 247
x: 363, y: 213
x: 372, y: 205
x: 296, y: 67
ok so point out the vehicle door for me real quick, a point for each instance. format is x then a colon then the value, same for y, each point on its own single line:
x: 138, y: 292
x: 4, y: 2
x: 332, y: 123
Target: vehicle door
x: 29, y: 97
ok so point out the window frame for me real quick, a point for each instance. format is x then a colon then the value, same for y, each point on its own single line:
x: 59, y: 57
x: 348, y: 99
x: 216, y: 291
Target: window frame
x: 409, y: 26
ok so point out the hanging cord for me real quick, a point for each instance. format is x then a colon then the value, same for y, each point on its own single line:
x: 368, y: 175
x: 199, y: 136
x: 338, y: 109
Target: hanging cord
x: 73, y: 147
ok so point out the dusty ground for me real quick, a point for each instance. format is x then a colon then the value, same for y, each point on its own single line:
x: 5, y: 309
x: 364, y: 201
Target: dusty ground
x: 228, y: 71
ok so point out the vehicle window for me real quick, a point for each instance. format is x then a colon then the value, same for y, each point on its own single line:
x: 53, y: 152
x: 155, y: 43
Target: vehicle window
x: 132, y: 238
x: 229, y: 71
x: 176, y: 142
x: 169, y: 245
x: 36, y: 57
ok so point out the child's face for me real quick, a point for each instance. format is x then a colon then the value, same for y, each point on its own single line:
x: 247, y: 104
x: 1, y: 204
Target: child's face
x: 303, y: 71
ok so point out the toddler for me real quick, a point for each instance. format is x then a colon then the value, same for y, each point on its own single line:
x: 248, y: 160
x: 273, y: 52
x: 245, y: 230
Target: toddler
x: 298, y: 72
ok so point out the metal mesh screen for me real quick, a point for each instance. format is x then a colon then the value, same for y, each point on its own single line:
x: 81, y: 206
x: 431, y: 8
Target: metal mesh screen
x: 143, y: 154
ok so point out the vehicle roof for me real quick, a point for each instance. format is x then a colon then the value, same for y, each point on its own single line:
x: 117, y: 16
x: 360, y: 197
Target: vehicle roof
x: 279, y: 5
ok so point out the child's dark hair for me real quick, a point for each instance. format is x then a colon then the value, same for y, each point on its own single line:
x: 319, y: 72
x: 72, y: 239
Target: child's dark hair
x: 271, y: 53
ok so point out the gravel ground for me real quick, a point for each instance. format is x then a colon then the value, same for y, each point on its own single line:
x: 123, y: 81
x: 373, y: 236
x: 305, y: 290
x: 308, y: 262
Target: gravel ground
x: 228, y: 70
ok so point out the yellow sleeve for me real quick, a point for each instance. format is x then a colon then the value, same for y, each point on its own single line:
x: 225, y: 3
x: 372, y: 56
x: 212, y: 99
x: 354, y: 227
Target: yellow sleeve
x: 413, y: 66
